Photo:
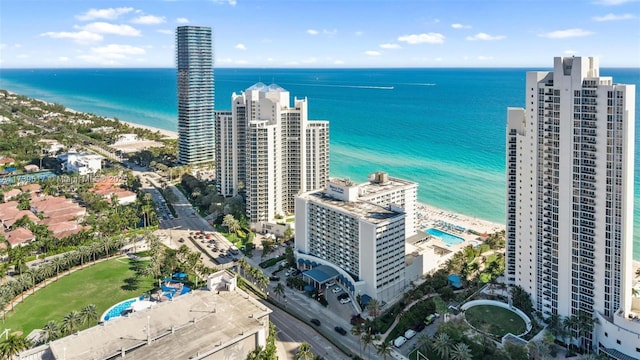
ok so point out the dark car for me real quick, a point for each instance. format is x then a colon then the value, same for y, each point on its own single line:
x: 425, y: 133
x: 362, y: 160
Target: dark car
x: 274, y: 278
x: 419, y: 327
x: 343, y: 296
x: 315, y: 322
x: 181, y: 240
x: 340, y: 330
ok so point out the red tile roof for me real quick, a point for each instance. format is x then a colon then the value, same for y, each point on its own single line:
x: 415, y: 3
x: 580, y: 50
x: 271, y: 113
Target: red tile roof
x: 19, y: 236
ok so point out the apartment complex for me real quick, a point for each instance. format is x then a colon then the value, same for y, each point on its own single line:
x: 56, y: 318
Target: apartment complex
x: 194, y: 59
x: 269, y: 150
x: 570, y: 158
x: 359, y: 231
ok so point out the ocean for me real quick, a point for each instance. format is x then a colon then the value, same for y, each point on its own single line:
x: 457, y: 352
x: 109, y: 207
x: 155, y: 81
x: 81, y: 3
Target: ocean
x: 443, y: 128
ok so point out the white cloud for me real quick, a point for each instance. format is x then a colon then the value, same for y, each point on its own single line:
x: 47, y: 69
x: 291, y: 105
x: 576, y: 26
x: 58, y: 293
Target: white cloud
x: 330, y: 32
x: 240, y: 46
x: 390, y: 46
x: 570, y: 52
x: 563, y: 34
x: 109, y: 14
x: 312, y: 32
x: 107, y: 28
x: 460, y: 26
x: 613, y: 2
x: 338, y: 62
x: 359, y: 33
x: 482, y: 57
x: 23, y: 56
x: 485, y: 37
x: 165, y: 31
x: 242, y: 62
x: 63, y: 58
x: 80, y: 36
x: 429, y: 38
x: 372, y: 53
x: 182, y: 20
x: 309, y: 60
x: 111, y: 54
x: 2, y: 46
x: 148, y: 20
x: 614, y: 17
x: 230, y: 2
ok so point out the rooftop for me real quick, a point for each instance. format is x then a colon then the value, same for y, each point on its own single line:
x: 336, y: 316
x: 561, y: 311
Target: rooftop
x: 201, y: 321
x: 361, y: 209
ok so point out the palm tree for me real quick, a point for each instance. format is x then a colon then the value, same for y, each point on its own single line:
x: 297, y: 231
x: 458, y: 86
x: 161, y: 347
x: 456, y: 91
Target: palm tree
x: 424, y: 342
x: 279, y: 290
x: 585, y: 324
x: 442, y: 345
x: 367, y: 339
x: 569, y: 324
x: 71, y: 259
x: 538, y: 350
x: 358, y: 331
x: 88, y: 314
x: 304, y: 352
x: 374, y: 308
x: 384, y: 349
x: 50, y: 331
x: 13, y: 345
x: 461, y: 351
x: 71, y: 322
x: 228, y: 221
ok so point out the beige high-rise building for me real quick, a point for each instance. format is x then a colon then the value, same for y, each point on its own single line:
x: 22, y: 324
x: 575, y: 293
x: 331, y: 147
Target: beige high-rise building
x: 270, y: 150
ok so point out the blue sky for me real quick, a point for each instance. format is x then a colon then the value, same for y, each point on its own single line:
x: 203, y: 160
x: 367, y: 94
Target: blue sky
x: 314, y: 33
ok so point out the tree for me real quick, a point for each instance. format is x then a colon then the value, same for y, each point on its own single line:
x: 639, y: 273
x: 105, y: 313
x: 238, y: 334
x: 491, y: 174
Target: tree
x: 13, y: 345
x: 304, y: 352
x: 461, y: 351
x: 384, y: 349
x: 50, y: 331
x: 358, y: 331
x: 570, y: 324
x: 442, y: 345
x: 521, y: 299
x: 279, y: 290
x: 538, y: 350
x: 229, y: 221
x: 374, y: 308
x: 71, y: 322
x: 516, y: 352
x: 367, y: 339
x: 88, y: 314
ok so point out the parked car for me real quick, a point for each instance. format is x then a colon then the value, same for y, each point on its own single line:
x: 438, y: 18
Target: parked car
x: 341, y: 331
x: 336, y: 290
x: 330, y: 284
x: 343, y: 296
x: 409, y: 334
x: 345, y: 301
x: 315, y: 322
x: 399, y: 341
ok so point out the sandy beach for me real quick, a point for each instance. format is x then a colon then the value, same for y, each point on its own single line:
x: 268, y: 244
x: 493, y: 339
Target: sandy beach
x: 167, y: 133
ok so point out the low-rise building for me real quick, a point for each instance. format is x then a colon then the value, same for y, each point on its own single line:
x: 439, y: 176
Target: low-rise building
x: 82, y: 164
x: 218, y: 322
x: 19, y: 237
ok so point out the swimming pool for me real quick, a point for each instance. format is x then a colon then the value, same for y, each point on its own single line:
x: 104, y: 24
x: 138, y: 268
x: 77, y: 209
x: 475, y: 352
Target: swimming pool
x: 117, y: 309
x: 446, y: 237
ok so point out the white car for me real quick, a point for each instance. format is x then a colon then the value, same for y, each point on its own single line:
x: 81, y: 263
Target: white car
x: 345, y: 301
x: 399, y: 341
x: 409, y: 333
x: 336, y: 290
x: 330, y: 284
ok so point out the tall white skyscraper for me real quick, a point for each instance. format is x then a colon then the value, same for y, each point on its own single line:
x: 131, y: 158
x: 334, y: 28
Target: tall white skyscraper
x: 570, y: 158
x: 269, y: 150
x: 194, y: 60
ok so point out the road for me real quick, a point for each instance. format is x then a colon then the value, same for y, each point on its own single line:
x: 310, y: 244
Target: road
x: 291, y: 332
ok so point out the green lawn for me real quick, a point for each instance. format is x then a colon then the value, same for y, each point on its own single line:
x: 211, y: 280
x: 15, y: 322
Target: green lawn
x: 499, y: 321
x: 103, y: 284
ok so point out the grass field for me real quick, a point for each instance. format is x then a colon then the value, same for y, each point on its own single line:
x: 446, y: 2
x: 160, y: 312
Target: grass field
x: 500, y: 321
x: 103, y: 284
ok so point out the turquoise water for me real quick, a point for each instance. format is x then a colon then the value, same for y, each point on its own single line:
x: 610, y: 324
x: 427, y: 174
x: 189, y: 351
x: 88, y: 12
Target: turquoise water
x: 443, y: 128
x: 445, y: 236
x: 117, y: 309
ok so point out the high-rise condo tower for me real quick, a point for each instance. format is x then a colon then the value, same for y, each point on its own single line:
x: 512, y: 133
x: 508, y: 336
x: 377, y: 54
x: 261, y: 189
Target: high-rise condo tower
x: 194, y: 59
x: 569, y: 202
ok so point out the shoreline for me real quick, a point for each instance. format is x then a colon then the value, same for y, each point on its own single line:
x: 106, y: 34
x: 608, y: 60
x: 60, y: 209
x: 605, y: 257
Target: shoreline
x: 166, y: 133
